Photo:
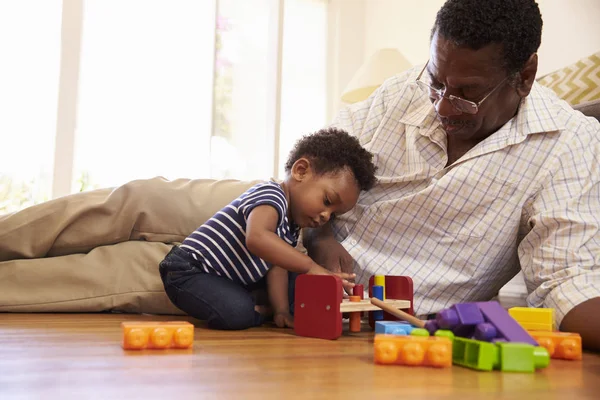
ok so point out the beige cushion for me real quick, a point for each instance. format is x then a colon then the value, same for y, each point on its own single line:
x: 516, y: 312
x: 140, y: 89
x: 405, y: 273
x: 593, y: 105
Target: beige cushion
x: 576, y: 83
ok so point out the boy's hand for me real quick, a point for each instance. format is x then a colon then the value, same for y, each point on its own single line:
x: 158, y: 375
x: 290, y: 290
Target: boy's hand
x: 318, y: 270
x: 283, y: 320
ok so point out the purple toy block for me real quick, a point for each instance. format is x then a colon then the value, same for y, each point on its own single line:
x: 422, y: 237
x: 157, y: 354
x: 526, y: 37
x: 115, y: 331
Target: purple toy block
x: 506, y: 326
x: 468, y: 313
x: 447, y: 319
x: 485, y: 332
x: 431, y: 326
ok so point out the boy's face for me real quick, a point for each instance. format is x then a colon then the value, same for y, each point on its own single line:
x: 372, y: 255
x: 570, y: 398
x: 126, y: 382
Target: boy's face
x: 316, y: 198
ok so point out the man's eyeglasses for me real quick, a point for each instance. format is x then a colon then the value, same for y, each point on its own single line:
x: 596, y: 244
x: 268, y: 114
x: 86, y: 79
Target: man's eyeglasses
x: 460, y: 104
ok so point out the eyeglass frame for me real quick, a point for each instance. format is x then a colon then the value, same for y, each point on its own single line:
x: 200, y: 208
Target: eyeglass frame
x: 451, y: 98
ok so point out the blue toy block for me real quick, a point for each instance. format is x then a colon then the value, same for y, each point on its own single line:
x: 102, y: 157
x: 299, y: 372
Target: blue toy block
x: 377, y: 293
x: 393, y: 327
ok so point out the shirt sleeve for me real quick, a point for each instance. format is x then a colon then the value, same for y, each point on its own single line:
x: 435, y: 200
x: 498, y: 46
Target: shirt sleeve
x: 266, y: 194
x: 560, y: 255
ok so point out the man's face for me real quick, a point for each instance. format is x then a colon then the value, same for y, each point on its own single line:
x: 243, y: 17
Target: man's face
x: 471, y: 75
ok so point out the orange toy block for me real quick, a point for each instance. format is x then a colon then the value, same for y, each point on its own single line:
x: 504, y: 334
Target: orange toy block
x: 432, y: 351
x: 157, y: 335
x: 563, y: 345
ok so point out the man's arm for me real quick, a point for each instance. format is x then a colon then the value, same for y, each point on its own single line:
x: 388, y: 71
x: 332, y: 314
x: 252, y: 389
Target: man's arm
x: 584, y: 320
x: 559, y: 255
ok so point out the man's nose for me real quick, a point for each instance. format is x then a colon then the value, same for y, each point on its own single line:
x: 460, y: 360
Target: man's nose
x: 445, y: 108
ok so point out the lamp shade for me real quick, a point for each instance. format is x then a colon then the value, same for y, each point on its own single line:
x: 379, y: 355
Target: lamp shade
x: 383, y: 64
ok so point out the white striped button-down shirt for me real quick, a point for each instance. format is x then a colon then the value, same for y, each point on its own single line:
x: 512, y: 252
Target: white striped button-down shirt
x: 526, y: 197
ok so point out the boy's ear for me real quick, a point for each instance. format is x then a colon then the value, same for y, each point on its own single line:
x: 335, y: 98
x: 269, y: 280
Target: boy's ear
x: 301, y: 169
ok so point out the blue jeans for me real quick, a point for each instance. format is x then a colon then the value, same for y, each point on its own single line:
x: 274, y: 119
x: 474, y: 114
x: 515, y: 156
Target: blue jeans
x: 222, y: 303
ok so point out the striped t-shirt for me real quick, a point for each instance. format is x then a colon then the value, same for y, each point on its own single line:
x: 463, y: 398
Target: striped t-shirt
x: 219, y: 245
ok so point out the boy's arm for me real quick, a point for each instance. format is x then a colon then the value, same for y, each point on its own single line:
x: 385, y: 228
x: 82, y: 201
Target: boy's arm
x: 277, y: 287
x: 263, y: 242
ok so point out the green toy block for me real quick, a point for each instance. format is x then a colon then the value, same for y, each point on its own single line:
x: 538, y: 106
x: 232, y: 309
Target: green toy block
x: 445, y: 333
x: 475, y: 354
x: 521, y: 357
x: 419, y: 332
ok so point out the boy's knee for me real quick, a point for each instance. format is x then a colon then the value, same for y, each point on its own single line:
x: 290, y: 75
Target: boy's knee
x: 235, y: 318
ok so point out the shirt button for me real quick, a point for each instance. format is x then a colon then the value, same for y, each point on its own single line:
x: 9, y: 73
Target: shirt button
x: 353, y: 242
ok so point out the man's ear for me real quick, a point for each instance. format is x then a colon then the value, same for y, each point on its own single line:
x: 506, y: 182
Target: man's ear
x: 301, y: 169
x: 527, y: 76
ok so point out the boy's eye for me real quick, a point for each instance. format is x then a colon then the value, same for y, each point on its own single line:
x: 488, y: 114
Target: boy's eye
x: 326, y: 201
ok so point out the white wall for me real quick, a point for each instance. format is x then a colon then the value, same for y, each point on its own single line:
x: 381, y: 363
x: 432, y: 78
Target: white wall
x: 571, y: 31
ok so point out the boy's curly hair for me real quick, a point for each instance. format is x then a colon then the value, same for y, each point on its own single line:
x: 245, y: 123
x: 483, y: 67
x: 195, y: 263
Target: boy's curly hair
x: 330, y: 150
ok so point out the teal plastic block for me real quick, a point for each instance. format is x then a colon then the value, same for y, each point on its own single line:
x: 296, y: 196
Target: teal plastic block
x: 475, y: 354
x: 522, y: 357
x: 393, y: 327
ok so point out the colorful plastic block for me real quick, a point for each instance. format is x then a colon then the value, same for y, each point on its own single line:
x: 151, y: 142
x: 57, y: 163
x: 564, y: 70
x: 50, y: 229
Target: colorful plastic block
x: 444, y: 333
x: 507, y: 328
x: 521, y: 357
x: 503, y: 356
x: 157, y: 335
x: 413, y: 350
x: 318, y: 315
x: 355, y: 316
x: 419, y: 332
x: 393, y: 327
x: 379, y: 280
x: 378, y: 293
x: 534, y: 319
x: 562, y: 345
x: 474, y: 354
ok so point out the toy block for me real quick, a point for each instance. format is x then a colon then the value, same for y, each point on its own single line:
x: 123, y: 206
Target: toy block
x: 561, y: 345
x: 444, y: 333
x: 378, y: 294
x: 534, y: 319
x: 393, y: 327
x: 521, y: 357
x: 359, y: 290
x: 348, y: 306
x: 355, y: 316
x: 157, y: 335
x: 468, y: 313
x: 503, y: 356
x: 396, y: 287
x: 317, y: 306
x: 474, y: 354
x: 413, y: 350
x: 507, y: 328
x: 379, y: 280
x: 419, y: 332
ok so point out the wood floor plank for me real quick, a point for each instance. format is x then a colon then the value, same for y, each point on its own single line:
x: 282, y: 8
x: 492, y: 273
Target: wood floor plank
x: 64, y: 356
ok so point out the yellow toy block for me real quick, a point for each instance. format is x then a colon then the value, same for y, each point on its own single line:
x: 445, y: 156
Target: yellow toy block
x: 432, y: 351
x: 157, y: 335
x: 534, y: 319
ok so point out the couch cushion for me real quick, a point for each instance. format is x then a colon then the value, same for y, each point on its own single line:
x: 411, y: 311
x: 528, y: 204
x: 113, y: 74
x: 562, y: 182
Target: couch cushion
x: 576, y: 83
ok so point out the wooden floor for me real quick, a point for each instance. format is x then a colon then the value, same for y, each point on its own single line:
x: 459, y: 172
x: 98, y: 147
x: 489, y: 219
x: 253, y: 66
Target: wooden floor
x: 64, y: 356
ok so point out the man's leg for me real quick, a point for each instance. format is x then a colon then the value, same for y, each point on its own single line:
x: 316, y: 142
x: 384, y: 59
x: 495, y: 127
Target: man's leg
x: 122, y: 277
x: 114, y: 242
x: 154, y: 210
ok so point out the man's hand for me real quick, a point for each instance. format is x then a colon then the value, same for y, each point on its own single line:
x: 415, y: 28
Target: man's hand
x: 327, y: 251
x: 346, y: 278
x: 283, y: 320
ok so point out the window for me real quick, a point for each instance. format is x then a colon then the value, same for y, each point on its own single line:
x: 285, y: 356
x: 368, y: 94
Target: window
x: 179, y: 89
x: 30, y: 48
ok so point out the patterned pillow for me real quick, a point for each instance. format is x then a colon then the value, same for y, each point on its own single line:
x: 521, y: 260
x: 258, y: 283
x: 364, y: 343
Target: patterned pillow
x: 576, y: 83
